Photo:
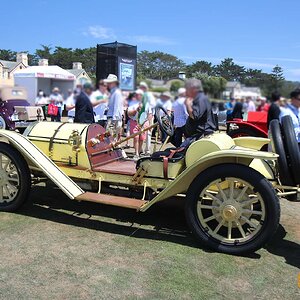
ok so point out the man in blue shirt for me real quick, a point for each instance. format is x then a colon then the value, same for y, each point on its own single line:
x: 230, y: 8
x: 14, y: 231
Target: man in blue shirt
x: 293, y: 111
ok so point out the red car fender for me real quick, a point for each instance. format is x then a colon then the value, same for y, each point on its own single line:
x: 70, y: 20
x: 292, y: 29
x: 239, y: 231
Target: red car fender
x: 244, y: 124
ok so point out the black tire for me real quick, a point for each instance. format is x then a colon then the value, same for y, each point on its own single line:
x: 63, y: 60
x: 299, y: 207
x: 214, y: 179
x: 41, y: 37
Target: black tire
x: 279, y: 148
x: 267, y: 201
x: 291, y: 147
x: 14, y: 179
x: 244, y: 132
x: 2, y: 123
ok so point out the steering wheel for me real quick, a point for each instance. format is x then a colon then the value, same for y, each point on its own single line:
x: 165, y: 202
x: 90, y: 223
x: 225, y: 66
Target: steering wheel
x: 164, y: 120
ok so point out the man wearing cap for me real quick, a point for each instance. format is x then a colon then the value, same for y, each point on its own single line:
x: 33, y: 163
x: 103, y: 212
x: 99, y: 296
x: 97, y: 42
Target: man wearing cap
x: 200, y: 121
x: 115, y: 106
x: 149, y: 108
x: 180, y: 117
x: 83, y: 108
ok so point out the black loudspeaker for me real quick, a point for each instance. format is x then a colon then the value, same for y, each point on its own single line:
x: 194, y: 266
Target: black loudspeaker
x: 119, y: 59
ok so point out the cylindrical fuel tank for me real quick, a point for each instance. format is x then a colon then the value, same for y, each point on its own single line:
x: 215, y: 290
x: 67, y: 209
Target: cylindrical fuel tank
x: 62, y: 142
x: 83, y: 145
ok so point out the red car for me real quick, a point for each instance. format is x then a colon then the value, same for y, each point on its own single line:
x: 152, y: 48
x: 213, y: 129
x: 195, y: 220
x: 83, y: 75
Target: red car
x: 253, y: 124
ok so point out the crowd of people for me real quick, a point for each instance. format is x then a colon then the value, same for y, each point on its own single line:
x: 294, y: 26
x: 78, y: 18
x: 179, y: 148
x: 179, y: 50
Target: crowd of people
x: 192, y: 114
x: 118, y: 111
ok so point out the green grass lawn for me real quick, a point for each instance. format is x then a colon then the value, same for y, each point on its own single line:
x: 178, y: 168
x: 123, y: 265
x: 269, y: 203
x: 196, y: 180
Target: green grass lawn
x: 54, y: 248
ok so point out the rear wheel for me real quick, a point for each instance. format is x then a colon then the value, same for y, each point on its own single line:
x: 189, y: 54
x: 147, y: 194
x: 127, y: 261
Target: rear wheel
x: 278, y: 146
x: 14, y: 178
x: 2, y: 123
x: 232, y: 209
x: 291, y: 146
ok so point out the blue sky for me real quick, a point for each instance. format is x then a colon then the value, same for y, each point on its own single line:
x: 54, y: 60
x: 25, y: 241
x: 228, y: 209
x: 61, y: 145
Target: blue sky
x: 257, y: 34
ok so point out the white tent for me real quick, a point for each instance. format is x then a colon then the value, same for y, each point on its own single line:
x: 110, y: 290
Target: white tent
x: 44, y: 78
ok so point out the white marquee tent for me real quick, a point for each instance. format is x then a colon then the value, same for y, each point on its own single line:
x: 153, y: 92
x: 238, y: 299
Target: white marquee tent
x: 44, y: 78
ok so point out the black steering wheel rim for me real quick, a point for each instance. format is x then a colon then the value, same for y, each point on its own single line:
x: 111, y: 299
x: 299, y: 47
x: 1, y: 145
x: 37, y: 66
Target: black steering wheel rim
x: 165, y: 121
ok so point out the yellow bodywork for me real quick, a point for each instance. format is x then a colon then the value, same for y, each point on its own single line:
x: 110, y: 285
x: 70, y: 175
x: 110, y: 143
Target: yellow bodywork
x: 73, y: 161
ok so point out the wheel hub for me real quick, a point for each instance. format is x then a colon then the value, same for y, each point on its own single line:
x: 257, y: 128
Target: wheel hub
x: 229, y: 213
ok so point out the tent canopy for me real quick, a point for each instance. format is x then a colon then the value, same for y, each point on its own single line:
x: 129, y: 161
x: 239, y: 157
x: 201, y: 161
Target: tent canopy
x: 54, y: 72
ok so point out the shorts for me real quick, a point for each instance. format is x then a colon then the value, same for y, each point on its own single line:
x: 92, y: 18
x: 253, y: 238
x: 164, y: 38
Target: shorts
x: 134, y: 128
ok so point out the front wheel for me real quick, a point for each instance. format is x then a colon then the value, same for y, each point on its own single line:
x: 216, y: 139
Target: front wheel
x: 232, y: 209
x: 14, y: 178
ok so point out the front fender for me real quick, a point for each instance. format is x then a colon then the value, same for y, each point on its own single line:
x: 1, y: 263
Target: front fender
x: 243, y: 157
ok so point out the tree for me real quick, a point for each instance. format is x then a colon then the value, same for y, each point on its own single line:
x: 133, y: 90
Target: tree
x: 230, y: 71
x: 62, y: 57
x: 200, y: 66
x: 88, y: 58
x: 158, y: 65
x: 8, y: 55
x: 277, y: 76
x: 176, y: 84
x: 253, y: 77
x: 45, y: 52
x: 212, y: 85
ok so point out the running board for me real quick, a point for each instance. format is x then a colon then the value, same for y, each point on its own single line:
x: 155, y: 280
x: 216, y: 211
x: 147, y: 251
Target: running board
x: 111, y: 200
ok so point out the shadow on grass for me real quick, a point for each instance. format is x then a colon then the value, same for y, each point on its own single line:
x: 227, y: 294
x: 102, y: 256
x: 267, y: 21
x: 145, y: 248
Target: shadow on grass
x: 285, y: 248
x: 164, y: 221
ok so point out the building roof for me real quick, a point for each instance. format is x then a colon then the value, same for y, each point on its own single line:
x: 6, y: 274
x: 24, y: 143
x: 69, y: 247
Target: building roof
x: 77, y: 72
x: 10, y: 65
x: 232, y: 84
x: 45, y: 72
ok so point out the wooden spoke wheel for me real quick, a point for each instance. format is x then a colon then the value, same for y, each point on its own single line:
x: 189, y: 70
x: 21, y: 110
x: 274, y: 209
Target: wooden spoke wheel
x: 232, y: 208
x: 14, y: 178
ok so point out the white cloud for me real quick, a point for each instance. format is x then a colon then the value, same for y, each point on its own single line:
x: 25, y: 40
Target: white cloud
x: 250, y: 64
x: 151, y: 39
x: 276, y: 59
x: 100, y: 32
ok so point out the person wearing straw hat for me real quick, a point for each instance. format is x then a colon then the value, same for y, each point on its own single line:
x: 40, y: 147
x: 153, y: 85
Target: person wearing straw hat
x: 115, y: 106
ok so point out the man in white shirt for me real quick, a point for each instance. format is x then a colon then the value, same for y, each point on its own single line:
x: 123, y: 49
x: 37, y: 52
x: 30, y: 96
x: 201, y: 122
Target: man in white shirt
x: 115, y: 106
x: 149, y: 103
x: 180, y: 117
x: 251, y: 105
x: 293, y: 110
x: 99, y: 99
x: 70, y: 106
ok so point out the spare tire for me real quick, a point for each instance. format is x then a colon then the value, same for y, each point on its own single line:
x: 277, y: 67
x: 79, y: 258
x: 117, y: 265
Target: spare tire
x: 278, y: 147
x: 291, y: 147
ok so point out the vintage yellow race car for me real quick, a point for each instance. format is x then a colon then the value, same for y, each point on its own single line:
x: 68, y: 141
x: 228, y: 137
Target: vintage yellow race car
x: 228, y: 185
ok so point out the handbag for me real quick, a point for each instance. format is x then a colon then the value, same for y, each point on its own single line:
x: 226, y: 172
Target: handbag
x: 52, y: 109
